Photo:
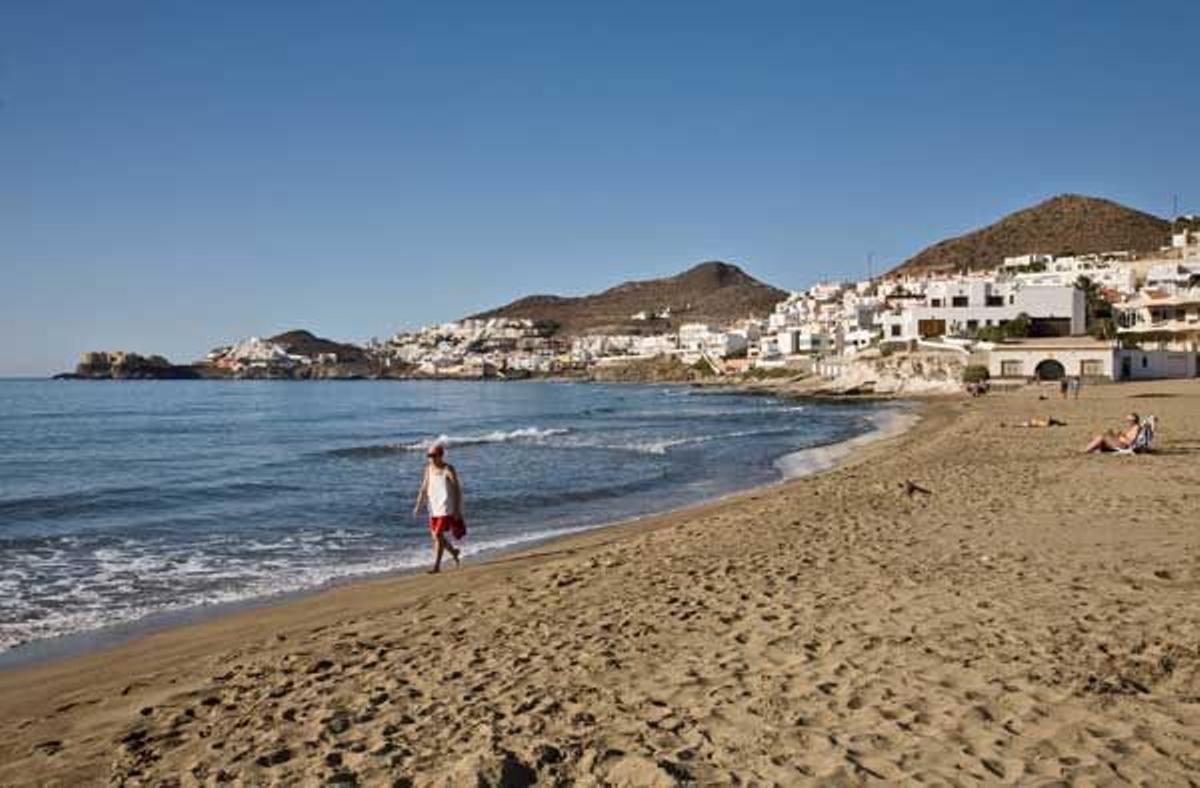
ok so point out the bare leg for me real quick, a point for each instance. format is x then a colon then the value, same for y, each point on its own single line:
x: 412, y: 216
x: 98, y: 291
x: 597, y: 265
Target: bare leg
x: 439, y: 543
x: 445, y: 545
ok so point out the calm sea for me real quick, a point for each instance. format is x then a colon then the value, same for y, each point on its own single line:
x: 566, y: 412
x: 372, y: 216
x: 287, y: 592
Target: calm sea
x: 122, y: 500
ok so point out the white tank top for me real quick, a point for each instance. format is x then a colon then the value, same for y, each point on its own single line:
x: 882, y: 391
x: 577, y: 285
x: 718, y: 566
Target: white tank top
x: 441, y: 503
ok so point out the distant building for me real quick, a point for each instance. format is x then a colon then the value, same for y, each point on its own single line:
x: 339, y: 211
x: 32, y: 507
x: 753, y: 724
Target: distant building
x: 1187, y: 239
x: 1171, y: 277
x: 959, y: 307
x: 1027, y: 261
x: 804, y: 341
x: 1066, y: 271
x: 1054, y: 359
x: 700, y: 339
x: 1169, y: 319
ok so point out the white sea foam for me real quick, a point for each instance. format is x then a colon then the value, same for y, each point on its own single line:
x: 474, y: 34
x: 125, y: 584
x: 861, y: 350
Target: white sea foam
x: 498, y: 436
x: 86, y: 603
x: 887, y: 424
x: 664, y: 445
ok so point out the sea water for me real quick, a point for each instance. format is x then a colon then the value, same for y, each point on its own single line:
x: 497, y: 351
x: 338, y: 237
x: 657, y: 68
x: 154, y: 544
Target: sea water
x: 120, y: 500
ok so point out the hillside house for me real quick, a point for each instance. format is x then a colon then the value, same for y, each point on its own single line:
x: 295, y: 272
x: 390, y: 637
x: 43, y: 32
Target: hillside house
x: 959, y: 307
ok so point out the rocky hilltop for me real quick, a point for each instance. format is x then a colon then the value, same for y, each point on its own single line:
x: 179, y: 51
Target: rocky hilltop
x: 121, y: 365
x: 712, y: 292
x: 292, y: 355
x: 1069, y: 223
x: 299, y: 342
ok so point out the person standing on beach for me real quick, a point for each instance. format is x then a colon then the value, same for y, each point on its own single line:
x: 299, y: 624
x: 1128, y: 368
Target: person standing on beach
x: 441, y: 491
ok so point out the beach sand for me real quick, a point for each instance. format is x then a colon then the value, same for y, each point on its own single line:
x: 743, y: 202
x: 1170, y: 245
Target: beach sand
x: 1033, y: 619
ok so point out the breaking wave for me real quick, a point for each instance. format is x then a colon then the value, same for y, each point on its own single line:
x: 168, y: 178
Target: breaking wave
x: 531, y: 434
x: 665, y: 445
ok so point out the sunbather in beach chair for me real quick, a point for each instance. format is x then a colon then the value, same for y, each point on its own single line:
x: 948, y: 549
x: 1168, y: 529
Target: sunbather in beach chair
x: 1134, y: 439
x: 1144, y: 437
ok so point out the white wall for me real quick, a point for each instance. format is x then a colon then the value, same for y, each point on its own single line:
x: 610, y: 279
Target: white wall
x: 1151, y: 364
x: 1071, y: 359
x: 1036, y: 301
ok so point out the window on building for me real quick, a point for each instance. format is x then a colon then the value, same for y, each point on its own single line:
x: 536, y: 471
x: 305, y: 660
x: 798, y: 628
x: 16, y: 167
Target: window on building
x: 995, y: 300
x: 1012, y: 299
x: 1145, y: 362
x: 959, y: 301
x: 935, y: 302
x: 972, y: 325
x: 1091, y: 369
x: 895, y: 331
x: 1011, y: 369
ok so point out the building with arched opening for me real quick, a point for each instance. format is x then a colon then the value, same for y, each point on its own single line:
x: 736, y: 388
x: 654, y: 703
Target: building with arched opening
x: 1087, y: 358
x: 1050, y: 369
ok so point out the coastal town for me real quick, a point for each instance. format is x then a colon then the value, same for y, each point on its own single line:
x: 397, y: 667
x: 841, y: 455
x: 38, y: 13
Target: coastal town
x: 612, y: 395
x: 1115, y: 315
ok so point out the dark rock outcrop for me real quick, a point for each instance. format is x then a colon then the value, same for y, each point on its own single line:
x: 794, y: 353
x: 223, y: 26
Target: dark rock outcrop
x: 121, y: 365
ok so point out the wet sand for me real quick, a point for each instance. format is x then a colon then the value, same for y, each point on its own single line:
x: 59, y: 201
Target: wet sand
x: 1031, y: 619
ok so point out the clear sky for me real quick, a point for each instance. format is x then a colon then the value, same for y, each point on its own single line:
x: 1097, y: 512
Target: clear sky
x: 176, y: 175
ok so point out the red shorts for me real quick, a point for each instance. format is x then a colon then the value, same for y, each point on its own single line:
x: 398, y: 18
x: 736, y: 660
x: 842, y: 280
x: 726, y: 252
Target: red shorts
x: 453, y: 523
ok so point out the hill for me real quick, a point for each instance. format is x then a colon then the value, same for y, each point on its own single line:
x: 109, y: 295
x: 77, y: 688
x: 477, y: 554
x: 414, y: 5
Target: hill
x: 305, y: 343
x: 712, y: 292
x: 1069, y: 223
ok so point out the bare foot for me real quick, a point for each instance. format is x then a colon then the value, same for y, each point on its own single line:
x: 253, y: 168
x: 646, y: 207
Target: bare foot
x: 457, y: 563
x: 433, y: 571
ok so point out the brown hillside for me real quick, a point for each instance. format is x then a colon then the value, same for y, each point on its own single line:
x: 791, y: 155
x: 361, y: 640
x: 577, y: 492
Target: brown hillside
x: 1069, y: 223
x: 305, y: 343
x: 712, y: 292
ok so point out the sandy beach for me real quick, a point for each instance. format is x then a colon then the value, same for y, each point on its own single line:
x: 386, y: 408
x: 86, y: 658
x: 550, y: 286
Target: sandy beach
x: 1031, y: 619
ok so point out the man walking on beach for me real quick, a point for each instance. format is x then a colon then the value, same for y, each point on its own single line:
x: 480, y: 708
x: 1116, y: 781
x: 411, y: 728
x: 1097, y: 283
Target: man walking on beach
x: 441, y: 491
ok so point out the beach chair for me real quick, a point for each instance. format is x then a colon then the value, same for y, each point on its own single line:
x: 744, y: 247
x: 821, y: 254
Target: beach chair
x: 1144, y: 437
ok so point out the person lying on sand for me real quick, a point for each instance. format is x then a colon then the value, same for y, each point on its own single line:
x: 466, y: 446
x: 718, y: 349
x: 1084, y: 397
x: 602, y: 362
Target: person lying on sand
x: 1115, y: 441
x: 1049, y: 421
x: 442, y: 492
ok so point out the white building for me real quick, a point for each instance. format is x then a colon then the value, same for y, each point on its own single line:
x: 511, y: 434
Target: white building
x: 257, y: 353
x: 1171, y: 277
x: 1170, y: 320
x: 697, y: 339
x: 656, y: 345
x: 826, y: 291
x: 1053, y: 359
x: 959, y: 307
x: 1187, y: 239
x: 803, y: 341
x: 1066, y: 271
x: 858, y: 340
x: 1027, y: 261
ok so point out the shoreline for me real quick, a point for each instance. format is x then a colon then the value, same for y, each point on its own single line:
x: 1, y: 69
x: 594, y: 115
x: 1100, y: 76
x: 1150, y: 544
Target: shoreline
x: 792, y: 466
x: 1030, y: 618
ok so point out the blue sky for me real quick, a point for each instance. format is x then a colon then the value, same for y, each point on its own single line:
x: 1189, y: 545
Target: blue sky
x: 174, y: 175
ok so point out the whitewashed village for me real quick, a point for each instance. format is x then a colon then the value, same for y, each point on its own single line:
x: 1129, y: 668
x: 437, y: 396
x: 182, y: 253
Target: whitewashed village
x: 1102, y: 317
x: 1107, y: 316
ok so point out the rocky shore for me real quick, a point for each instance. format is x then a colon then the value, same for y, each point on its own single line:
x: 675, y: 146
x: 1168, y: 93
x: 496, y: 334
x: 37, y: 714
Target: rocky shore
x: 121, y: 365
